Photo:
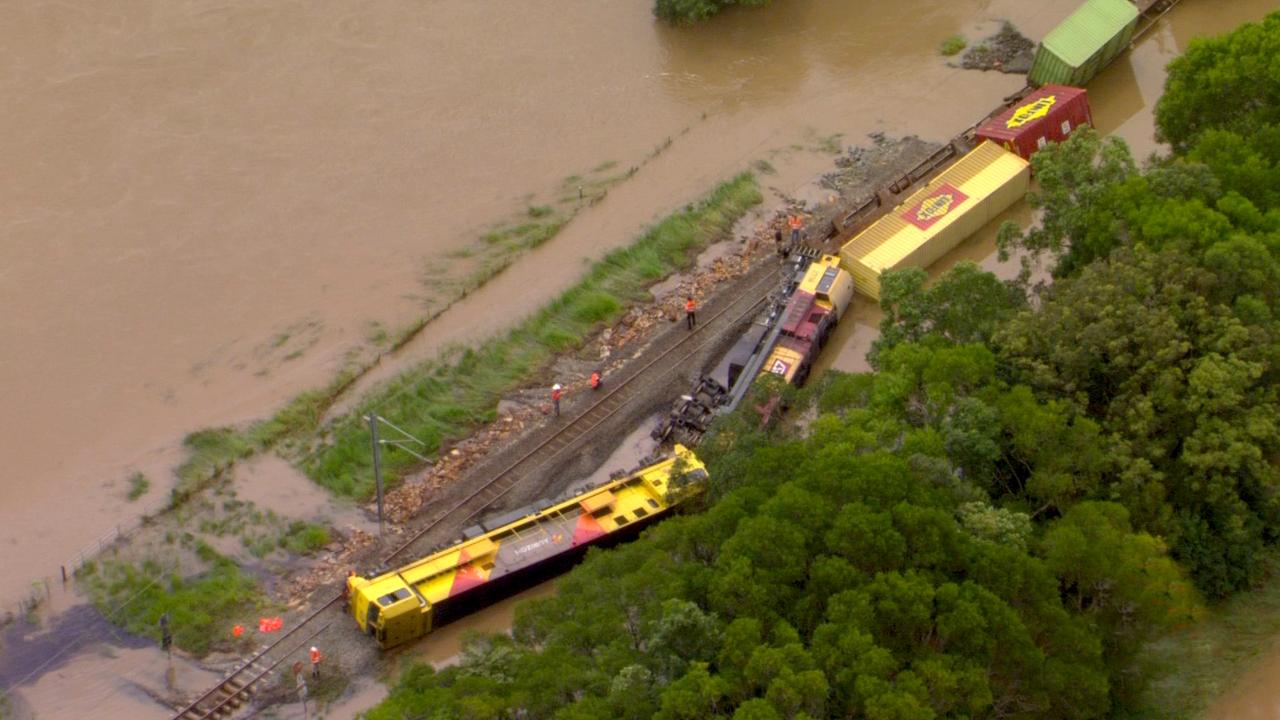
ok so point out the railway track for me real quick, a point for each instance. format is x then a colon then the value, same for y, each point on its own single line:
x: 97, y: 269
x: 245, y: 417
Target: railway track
x: 238, y: 686
x: 620, y: 390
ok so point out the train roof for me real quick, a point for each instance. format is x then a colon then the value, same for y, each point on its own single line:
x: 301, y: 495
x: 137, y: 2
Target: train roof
x: 513, y: 541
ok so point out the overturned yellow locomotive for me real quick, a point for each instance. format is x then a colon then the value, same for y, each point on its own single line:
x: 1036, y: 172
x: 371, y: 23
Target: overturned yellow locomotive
x: 502, y: 555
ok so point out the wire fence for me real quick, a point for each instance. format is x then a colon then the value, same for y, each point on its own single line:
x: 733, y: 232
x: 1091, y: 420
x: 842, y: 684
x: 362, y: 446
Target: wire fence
x: 40, y: 591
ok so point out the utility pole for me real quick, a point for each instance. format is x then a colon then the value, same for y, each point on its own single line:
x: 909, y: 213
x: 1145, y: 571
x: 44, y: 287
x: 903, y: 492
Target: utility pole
x: 377, y: 466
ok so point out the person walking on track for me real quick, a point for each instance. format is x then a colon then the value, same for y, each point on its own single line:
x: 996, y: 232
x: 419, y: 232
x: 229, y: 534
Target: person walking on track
x: 691, y: 312
x: 315, y: 661
x: 556, y: 393
x: 795, y: 222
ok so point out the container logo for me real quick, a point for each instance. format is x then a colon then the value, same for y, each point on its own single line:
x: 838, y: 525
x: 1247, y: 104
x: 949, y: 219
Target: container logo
x: 935, y: 207
x: 1031, y: 111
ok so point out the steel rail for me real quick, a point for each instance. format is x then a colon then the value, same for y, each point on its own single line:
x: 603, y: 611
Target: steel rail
x: 573, y: 425
x: 193, y: 707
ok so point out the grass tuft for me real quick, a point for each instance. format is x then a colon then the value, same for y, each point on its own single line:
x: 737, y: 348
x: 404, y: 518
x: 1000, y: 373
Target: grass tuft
x: 953, y: 45
x: 138, y: 486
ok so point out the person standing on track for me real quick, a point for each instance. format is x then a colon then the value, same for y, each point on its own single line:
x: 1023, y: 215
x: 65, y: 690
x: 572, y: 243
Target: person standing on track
x: 316, y: 657
x: 691, y: 312
x: 556, y: 393
x: 795, y: 222
x: 595, y: 380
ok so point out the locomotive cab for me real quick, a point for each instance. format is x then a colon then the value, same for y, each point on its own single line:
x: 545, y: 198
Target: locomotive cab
x: 388, y: 609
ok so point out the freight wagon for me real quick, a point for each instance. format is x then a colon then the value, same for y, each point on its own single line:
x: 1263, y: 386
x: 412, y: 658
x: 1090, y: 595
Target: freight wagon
x: 502, y: 555
x: 935, y: 218
x: 1087, y: 41
x: 1047, y: 115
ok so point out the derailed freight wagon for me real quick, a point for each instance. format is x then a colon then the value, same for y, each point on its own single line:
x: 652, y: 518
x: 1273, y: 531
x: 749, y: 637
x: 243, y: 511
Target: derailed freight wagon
x: 1087, y: 41
x: 931, y: 222
x: 813, y: 311
x: 1047, y: 115
x: 504, y: 554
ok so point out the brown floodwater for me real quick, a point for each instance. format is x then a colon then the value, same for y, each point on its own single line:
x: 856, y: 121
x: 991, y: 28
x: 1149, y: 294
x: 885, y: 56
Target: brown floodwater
x: 207, y: 202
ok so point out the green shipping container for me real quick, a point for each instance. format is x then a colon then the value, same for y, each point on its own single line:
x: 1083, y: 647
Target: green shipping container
x: 1073, y: 52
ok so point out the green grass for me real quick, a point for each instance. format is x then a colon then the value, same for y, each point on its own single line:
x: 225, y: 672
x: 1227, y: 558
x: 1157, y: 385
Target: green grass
x: 304, y: 538
x: 1190, y: 668
x: 138, y: 486
x: 953, y: 45
x: 539, y: 211
x: 201, y: 609
x: 449, y: 397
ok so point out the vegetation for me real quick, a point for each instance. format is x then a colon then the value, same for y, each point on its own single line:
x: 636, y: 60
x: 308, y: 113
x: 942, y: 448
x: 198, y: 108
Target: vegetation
x: 201, y: 609
x: 953, y: 45
x: 1192, y: 666
x: 683, y: 12
x: 1009, y: 518
x: 138, y: 486
x: 450, y: 396
x: 304, y: 538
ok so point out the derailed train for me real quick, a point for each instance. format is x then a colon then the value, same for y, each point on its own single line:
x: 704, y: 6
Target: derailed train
x: 524, y: 546
x: 529, y: 544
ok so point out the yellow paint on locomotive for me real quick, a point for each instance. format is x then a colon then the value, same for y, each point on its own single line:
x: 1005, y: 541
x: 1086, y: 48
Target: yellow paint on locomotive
x: 397, y: 606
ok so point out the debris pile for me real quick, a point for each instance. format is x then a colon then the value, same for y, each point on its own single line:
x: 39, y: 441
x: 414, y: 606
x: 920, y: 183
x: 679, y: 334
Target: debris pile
x: 1007, y: 51
x: 332, y: 566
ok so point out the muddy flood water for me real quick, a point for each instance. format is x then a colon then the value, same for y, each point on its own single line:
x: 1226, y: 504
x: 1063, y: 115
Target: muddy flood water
x: 209, y: 203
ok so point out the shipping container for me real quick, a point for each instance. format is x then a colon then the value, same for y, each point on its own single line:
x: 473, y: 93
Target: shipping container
x: 966, y: 196
x: 1073, y: 52
x: 1047, y: 115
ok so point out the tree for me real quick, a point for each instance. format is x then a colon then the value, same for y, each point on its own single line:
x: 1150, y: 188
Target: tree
x: 964, y: 306
x: 1230, y: 82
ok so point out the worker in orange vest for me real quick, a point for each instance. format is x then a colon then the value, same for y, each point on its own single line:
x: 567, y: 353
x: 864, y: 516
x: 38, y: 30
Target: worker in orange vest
x: 691, y: 312
x: 556, y: 393
x: 595, y: 379
x: 315, y: 661
x: 795, y: 222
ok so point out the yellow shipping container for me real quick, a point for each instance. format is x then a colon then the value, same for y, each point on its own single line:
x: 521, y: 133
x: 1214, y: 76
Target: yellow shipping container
x: 966, y: 196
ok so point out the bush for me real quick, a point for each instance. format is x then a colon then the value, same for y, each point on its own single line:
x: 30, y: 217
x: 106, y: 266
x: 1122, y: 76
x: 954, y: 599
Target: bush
x: 953, y: 45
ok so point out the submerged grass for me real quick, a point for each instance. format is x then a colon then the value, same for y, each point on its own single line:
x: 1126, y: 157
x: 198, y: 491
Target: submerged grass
x: 448, y: 397
x: 201, y: 609
x: 1190, y: 668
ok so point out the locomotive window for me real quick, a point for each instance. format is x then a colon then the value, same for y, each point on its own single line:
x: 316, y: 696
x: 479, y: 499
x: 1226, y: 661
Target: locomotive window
x: 641, y: 512
x: 393, y: 597
x: 815, y: 318
x: 601, y: 512
x: 621, y: 520
x: 487, y: 566
x: 653, y: 503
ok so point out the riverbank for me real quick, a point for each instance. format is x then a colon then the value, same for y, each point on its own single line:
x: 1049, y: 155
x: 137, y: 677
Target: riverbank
x: 1225, y: 667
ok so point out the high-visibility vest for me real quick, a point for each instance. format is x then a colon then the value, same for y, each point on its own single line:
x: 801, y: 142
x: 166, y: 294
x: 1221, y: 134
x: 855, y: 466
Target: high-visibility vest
x: 690, y: 306
x: 555, y: 394
x: 795, y: 222
x: 315, y: 657
x: 595, y: 379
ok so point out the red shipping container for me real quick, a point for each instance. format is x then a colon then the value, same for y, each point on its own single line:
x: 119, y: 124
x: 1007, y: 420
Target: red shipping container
x: 1046, y: 115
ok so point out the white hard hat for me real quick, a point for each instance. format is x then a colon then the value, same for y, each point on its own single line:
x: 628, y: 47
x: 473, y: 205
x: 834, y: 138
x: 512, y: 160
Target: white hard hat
x: 556, y: 386
x: 314, y: 649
